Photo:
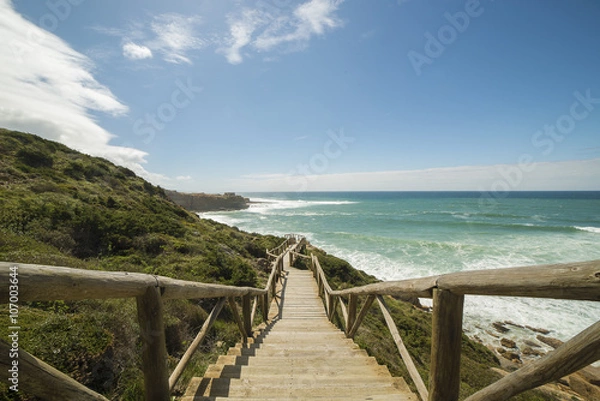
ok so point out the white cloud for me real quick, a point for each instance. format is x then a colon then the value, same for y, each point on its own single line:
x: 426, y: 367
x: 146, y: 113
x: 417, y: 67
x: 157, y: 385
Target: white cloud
x: 171, y: 35
x: 49, y: 89
x: 287, y: 31
x: 567, y: 175
x: 241, y: 30
x: 136, y: 52
x: 175, y: 36
x: 310, y: 18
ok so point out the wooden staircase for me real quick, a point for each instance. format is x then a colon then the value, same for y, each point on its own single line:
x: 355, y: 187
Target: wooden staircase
x: 299, y: 355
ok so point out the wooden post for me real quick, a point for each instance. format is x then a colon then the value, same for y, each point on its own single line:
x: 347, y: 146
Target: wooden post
x: 247, y: 314
x: 361, y: 315
x: 274, y: 286
x: 352, y: 304
x: 332, y: 306
x: 264, y: 307
x: 154, y: 349
x: 444, y: 376
x: 255, y: 303
x: 238, y: 319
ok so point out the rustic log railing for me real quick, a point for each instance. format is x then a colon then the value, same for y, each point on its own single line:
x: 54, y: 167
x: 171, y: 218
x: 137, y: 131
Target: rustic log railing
x: 290, y: 239
x: 575, y: 281
x: 47, y: 283
x: 572, y: 281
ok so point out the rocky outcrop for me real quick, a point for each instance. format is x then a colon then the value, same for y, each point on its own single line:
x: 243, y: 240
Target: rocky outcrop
x: 201, y: 202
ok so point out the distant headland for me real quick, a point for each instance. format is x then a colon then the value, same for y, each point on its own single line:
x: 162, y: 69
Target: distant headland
x: 202, y: 202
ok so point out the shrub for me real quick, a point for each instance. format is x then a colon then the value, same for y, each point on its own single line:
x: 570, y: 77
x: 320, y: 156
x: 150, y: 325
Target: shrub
x: 35, y: 158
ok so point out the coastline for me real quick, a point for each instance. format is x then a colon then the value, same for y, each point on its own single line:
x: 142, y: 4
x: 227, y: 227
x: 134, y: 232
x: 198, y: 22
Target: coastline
x: 202, y: 202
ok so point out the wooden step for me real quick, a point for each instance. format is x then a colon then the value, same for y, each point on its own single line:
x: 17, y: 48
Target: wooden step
x: 299, y: 352
x: 307, y: 387
x: 235, y: 371
x: 378, y: 397
x: 281, y: 361
x: 299, y: 355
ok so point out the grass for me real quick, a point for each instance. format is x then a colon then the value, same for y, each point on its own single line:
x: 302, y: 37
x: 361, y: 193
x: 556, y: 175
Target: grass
x: 60, y: 207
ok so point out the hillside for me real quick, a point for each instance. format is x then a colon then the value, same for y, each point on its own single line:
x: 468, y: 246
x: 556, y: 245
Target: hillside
x: 60, y: 207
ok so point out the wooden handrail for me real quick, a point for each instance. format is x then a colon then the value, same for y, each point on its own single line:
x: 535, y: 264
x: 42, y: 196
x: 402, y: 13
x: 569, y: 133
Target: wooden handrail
x: 573, y: 281
x: 46, y: 283
x: 579, y: 281
x: 38, y: 378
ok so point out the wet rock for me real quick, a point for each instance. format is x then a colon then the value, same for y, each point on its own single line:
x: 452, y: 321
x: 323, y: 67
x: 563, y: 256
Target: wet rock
x: 531, y: 344
x: 511, y: 323
x: 531, y: 352
x: 591, y: 374
x: 512, y: 356
x: 492, y: 334
x: 508, y: 343
x: 499, y: 326
x: 537, y: 330
x: 553, y: 342
x: 584, y: 388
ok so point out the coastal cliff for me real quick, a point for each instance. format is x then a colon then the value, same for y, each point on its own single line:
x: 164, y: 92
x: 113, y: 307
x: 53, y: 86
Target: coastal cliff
x: 201, y: 202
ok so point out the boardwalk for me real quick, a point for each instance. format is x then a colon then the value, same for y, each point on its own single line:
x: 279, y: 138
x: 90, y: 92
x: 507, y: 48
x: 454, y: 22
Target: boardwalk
x: 300, y: 355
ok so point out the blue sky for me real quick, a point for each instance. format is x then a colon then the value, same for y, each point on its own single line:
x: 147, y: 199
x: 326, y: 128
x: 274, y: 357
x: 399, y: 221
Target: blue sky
x: 283, y: 95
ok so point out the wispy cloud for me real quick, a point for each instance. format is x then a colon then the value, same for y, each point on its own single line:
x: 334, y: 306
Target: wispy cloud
x: 566, y: 175
x: 241, y: 29
x: 136, y: 52
x: 171, y: 35
x: 257, y: 29
x: 175, y: 36
x: 288, y: 31
x: 49, y: 89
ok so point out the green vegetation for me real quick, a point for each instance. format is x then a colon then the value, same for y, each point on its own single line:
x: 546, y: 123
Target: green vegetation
x: 60, y: 207
x: 414, y: 326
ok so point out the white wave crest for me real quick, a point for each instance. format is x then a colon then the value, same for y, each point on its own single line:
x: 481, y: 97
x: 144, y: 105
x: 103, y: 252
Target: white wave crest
x: 264, y: 205
x: 595, y: 230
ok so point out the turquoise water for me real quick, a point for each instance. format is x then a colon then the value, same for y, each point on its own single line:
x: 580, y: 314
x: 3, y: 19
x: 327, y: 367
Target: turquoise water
x: 404, y: 235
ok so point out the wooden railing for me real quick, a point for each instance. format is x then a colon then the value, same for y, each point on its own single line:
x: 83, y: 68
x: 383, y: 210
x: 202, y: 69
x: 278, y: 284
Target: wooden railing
x: 574, y: 281
x: 290, y: 239
x: 47, y: 283
x: 577, y: 281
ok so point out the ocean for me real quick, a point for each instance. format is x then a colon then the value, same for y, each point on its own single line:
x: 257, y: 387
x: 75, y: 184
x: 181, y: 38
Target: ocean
x: 400, y: 235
